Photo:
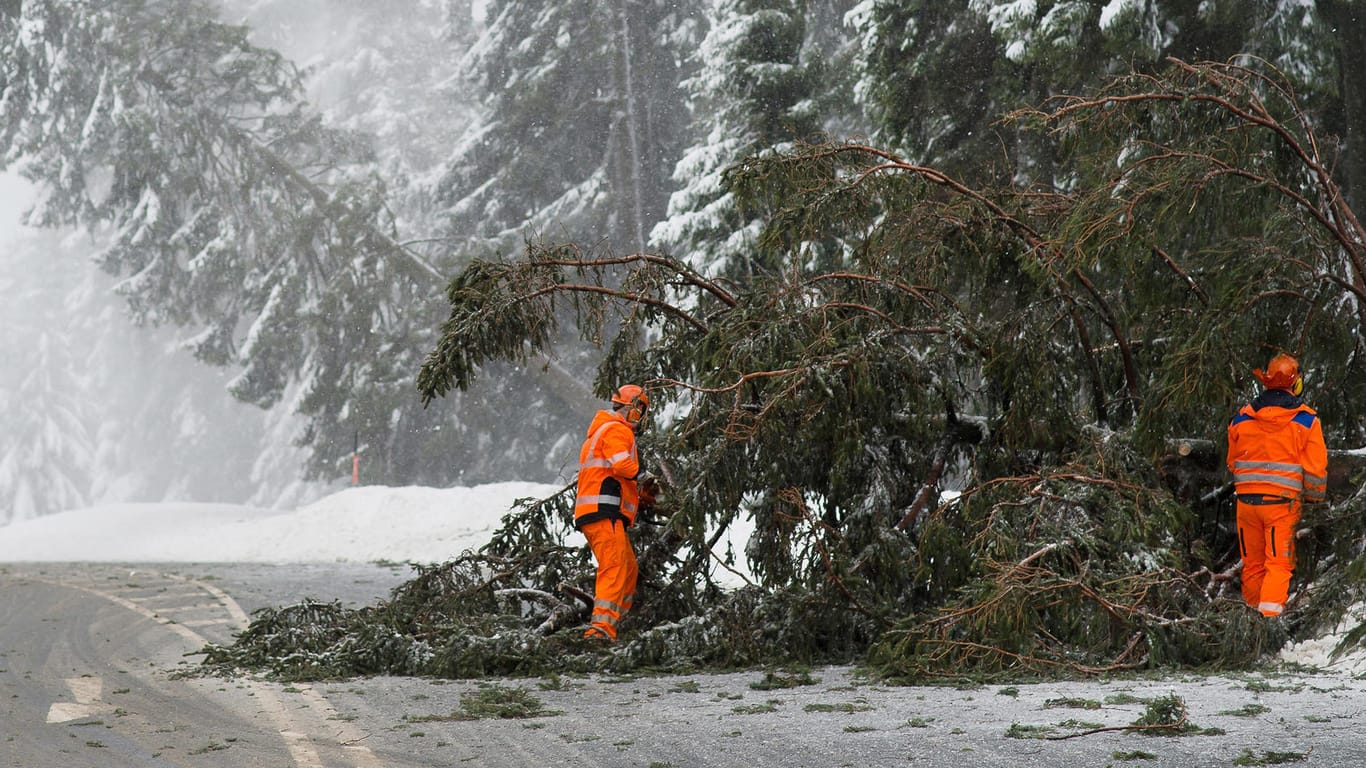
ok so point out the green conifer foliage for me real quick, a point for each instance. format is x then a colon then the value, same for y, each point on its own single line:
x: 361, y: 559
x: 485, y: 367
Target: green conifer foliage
x: 1032, y: 349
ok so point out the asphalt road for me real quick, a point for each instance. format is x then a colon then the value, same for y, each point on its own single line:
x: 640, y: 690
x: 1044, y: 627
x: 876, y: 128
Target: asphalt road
x: 89, y: 656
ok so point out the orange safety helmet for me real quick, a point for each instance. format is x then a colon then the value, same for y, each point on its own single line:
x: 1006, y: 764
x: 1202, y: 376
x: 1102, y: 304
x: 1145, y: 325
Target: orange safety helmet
x: 632, y: 398
x: 1283, y: 372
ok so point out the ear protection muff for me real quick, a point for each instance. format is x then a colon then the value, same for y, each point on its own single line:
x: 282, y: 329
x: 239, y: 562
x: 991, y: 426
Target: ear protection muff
x: 1298, y: 386
x: 636, y: 409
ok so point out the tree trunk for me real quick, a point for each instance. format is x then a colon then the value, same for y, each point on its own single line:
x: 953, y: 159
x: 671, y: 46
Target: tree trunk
x: 1193, y: 467
x: 956, y: 433
x: 1348, y: 24
x: 634, y: 170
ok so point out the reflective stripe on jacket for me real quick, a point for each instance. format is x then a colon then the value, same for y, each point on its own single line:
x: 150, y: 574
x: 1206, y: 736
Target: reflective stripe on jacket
x: 1275, y: 447
x: 607, y: 472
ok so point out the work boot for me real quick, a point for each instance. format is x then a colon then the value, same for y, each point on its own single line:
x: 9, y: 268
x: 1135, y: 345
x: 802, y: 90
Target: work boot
x: 597, y: 633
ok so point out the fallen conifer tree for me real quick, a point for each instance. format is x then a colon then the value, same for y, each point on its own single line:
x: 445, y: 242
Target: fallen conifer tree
x: 947, y: 412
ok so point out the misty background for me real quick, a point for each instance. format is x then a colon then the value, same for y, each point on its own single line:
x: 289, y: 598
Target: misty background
x: 96, y: 407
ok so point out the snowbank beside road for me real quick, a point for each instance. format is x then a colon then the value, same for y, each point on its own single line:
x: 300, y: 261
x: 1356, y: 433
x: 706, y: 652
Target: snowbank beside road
x: 365, y: 524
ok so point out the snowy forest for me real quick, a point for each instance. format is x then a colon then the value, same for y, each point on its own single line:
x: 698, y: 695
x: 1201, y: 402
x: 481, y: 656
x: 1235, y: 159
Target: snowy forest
x: 953, y: 300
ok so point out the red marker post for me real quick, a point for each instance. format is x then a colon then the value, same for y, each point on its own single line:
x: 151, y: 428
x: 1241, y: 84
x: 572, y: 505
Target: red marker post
x: 355, y: 461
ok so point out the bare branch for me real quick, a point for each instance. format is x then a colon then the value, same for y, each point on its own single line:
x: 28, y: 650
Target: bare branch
x: 633, y: 298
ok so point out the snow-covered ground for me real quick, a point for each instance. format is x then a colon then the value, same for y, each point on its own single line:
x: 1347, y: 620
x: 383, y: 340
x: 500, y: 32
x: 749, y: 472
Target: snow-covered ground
x: 361, y: 525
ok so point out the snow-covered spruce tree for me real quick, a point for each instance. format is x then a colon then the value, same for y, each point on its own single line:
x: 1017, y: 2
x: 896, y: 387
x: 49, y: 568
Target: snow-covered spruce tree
x: 581, y: 123
x: 98, y: 411
x: 936, y: 76
x: 46, y: 446
x: 382, y: 70
x: 234, y: 211
x: 933, y: 79
x: 1030, y: 350
x: 751, y: 92
x: 390, y: 71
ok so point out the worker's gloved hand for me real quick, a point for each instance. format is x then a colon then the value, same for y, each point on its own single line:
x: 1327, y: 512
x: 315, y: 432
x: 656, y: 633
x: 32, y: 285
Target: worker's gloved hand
x: 649, y: 491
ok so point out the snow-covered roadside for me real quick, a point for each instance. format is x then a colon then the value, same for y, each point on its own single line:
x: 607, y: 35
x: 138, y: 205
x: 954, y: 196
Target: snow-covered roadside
x: 357, y: 525
x: 1317, y: 653
x: 364, y: 524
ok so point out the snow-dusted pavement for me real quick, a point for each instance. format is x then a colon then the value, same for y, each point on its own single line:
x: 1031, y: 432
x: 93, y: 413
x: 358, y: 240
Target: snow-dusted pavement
x: 843, y: 720
x: 89, y: 651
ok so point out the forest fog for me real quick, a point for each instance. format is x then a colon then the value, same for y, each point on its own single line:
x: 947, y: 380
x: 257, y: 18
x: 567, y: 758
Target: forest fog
x: 97, y: 407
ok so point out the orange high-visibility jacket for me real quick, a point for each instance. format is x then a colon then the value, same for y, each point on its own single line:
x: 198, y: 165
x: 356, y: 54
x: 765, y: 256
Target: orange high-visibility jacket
x: 607, y: 472
x: 1275, y: 447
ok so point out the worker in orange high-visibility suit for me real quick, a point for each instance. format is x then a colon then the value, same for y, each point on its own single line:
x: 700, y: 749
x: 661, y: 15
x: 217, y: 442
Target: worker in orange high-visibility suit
x: 1278, y: 459
x: 607, y: 502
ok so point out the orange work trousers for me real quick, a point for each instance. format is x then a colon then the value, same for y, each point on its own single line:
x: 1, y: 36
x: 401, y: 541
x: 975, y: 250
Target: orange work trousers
x: 615, y: 589
x: 1266, y: 540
